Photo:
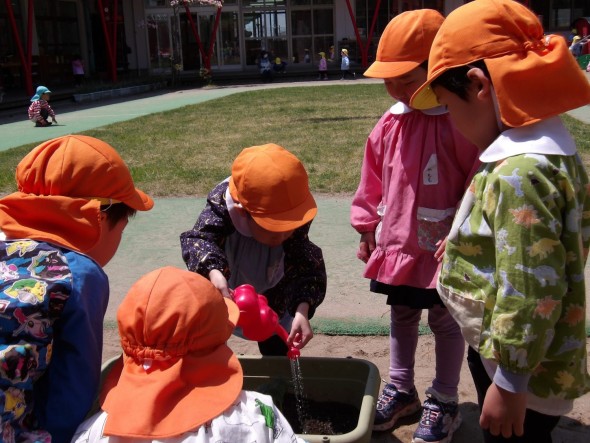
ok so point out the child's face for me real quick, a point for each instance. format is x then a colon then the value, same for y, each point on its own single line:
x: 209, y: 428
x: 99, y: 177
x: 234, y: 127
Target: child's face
x: 45, y: 97
x: 110, y: 238
x: 474, y: 117
x: 266, y: 237
x: 403, y: 87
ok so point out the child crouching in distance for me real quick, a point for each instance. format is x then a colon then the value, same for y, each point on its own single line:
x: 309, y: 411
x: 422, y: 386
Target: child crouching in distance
x: 57, y: 232
x: 177, y: 380
x: 415, y: 170
x: 254, y: 229
x: 39, y: 110
x: 513, y: 268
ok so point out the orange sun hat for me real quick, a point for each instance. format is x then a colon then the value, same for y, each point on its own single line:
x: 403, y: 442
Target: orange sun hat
x: 272, y: 185
x: 405, y: 43
x: 178, y: 372
x: 534, y: 75
x: 61, y: 185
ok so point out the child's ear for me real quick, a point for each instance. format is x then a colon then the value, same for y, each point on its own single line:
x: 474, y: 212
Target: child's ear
x: 481, y: 82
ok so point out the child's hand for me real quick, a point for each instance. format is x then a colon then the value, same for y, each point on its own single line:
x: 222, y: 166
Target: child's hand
x: 220, y: 282
x: 366, y: 246
x: 503, y: 412
x: 301, y: 332
x: 438, y: 254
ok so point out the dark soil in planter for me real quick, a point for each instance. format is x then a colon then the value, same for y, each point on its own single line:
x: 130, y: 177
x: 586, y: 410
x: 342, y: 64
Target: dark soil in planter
x: 321, y: 418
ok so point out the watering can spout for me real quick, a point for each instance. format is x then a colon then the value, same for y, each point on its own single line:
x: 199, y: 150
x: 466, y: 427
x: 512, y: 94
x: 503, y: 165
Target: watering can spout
x: 257, y: 320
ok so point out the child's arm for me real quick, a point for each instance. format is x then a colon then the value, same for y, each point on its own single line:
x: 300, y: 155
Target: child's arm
x: 202, y: 246
x: 524, y: 206
x: 50, y: 111
x: 363, y: 211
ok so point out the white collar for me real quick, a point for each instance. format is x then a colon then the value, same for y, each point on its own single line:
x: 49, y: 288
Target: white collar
x: 401, y: 108
x: 547, y: 137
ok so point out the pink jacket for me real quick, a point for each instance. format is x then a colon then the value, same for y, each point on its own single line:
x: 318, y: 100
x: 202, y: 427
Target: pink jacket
x: 415, y: 170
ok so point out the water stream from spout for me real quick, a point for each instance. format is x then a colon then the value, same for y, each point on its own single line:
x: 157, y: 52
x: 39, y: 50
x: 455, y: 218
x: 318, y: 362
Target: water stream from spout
x: 300, y: 399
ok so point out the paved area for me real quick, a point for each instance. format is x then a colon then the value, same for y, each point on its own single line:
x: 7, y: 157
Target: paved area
x: 72, y: 117
x: 16, y: 130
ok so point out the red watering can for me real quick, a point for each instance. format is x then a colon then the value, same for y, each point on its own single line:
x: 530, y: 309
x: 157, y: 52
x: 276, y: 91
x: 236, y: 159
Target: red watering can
x: 257, y: 320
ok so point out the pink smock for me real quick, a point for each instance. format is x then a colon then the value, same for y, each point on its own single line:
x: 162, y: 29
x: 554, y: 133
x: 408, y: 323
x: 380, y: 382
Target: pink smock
x: 415, y: 170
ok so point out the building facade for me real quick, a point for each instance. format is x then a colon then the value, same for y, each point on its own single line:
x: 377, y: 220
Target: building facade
x: 121, y: 38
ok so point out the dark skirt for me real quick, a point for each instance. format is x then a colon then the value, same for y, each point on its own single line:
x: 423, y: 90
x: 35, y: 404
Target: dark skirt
x: 415, y: 298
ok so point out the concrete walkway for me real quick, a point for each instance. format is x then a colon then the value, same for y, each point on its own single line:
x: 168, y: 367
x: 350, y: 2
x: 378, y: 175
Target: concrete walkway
x: 16, y: 130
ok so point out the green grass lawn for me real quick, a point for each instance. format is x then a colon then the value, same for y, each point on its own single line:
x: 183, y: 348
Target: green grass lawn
x: 188, y: 150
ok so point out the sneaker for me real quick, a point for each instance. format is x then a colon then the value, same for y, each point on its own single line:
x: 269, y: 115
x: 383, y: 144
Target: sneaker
x: 393, y: 404
x: 438, y: 422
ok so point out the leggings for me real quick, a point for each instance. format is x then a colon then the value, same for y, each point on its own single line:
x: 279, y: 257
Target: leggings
x: 403, y: 340
x: 537, y: 426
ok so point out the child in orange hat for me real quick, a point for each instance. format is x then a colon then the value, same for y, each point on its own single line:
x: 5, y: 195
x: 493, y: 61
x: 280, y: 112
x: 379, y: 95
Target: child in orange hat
x: 254, y: 229
x: 75, y: 196
x: 178, y: 380
x: 415, y: 169
x: 513, y: 269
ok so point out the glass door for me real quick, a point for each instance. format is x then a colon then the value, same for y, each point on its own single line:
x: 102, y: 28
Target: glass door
x: 265, y: 31
x: 160, y: 47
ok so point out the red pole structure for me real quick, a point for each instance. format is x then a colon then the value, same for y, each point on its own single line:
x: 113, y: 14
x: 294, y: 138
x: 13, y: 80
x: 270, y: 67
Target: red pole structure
x: 206, y: 55
x: 370, y: 35
x: 189, y: 16
x: 364, y: 49
x: 114, y: 24
x: 111, y: 49
x: 212, y: 40
x: 25, y: 59
x: 29, y: 64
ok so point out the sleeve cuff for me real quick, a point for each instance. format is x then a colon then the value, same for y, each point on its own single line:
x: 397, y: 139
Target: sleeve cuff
x: 510, y: 381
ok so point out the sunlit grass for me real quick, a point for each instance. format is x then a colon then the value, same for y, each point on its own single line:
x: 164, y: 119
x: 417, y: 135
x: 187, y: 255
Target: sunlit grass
x: 188, y: 150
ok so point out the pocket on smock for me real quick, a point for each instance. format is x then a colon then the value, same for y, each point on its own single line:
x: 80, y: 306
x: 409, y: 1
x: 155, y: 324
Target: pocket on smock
x: 433, y: 225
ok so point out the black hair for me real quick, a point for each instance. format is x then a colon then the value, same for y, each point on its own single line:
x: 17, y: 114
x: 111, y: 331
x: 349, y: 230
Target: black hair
x: 455, y: 79
x: 116, y: 212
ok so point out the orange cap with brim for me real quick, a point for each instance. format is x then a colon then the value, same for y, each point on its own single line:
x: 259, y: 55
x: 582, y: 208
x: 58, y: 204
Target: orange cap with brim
x: 272, y: 185
x: 405, y: 43
x: 61, y: 185
x: 178, y: 372
x: 534, y: 76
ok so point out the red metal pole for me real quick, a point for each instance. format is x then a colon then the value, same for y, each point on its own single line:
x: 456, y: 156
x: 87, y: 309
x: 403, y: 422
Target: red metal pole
x: 195, y: 32
x: 356, y: 30
x: 212, y: 40
x: 364, y: 49
x: 112, y: 61
x: 370, y: 34
x: 26, y: 67
x: 29, y: 54
x: 114, y: 24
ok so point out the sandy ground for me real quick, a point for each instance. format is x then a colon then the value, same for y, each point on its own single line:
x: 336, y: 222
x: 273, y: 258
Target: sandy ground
x: 151, y: 241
